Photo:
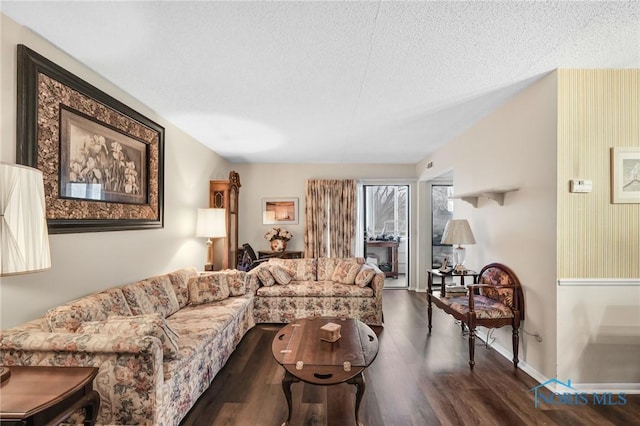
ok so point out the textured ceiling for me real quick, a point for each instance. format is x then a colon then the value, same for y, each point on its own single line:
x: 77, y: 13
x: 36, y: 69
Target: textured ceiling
x: 332, y: 82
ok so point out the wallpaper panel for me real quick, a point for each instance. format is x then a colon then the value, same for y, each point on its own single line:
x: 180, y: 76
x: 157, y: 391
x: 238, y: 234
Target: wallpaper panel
x: 597, y: 110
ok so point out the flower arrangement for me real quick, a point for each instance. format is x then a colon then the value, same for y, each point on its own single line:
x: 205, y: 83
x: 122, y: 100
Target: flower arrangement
x: 278, y: 234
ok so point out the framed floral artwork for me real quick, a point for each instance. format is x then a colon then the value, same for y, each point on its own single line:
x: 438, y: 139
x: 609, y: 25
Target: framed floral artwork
x: 102, y: 162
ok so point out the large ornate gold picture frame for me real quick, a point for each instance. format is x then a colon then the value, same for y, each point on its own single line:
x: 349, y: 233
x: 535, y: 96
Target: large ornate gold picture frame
x: 102, y: 162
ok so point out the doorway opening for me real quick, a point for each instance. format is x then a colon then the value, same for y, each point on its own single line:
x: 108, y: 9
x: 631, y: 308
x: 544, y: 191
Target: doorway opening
x: 441, y: 213
x: 386, y: 231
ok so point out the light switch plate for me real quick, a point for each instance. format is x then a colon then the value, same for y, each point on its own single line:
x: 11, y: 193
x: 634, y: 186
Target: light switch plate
x: 580, y: 185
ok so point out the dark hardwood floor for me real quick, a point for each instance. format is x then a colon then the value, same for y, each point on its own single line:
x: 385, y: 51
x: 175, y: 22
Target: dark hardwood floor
x: 415, y: 380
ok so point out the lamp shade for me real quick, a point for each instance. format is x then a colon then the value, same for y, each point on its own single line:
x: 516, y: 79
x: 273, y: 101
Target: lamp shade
x: 458, y: 232
x: 211, y: 223
x: 24, y: 240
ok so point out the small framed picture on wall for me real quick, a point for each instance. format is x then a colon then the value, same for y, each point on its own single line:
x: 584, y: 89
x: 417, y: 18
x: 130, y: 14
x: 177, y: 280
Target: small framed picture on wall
x: 280, y: 211
x: 625, y: 175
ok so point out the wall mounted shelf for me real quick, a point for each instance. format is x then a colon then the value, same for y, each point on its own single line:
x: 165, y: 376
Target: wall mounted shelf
x: 495, y: 194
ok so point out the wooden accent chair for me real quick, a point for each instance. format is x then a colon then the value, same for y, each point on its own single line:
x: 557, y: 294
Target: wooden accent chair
x: 495, y: 302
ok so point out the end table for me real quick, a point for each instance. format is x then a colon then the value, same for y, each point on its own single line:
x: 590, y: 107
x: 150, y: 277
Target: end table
x: 48, y: 395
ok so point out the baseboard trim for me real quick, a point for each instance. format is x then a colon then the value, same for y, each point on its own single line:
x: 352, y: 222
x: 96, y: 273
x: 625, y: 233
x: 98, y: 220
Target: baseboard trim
x: 628, y: 388
x: 599, y: 281
x: 522, y: 365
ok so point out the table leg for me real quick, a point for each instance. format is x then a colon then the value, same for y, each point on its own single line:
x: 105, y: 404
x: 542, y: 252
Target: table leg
x: 358, y: 382
x: 92, y: 408
x: 90, y: 402
x: 287, y: 380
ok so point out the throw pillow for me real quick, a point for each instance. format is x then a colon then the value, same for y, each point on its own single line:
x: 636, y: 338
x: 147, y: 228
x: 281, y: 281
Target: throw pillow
x: 95, y: 307
x: 234, y: 279
x: 365, y: 275
x: 179, y: 281
x: 345, y: 272
x: 152, y: 295
x: 207, y: 288
x: 139, y: 325
x: 280, y: 274
x: 299, y: 269
x: 264, y: 275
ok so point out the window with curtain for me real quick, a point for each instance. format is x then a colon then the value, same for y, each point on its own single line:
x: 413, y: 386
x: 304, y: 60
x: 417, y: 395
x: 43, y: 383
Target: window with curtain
x: 330, y: 215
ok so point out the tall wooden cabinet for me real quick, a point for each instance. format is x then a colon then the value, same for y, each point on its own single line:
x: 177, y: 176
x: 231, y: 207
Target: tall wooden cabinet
x: 223, y: 194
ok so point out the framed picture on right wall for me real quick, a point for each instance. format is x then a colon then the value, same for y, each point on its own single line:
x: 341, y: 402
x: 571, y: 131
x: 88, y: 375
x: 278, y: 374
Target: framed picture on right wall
x: 625, y: 175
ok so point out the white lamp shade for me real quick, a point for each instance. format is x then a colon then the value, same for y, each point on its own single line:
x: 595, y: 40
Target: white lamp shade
x: 211, y: 223
x: 24, y: 240
x: 458, y: 232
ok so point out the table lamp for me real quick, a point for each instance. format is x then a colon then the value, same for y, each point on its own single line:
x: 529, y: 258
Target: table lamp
x: 211, y: 224
x: 458, y: 232
x: 24, y: 240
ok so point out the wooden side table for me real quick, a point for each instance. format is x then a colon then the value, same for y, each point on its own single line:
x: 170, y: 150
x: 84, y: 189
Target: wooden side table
x: 442, y: 275
x: 48, y: 395
x: 392, y: 254
x: 262, y: 254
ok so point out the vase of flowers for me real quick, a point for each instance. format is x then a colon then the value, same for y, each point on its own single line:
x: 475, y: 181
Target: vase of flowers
x: 278, y: 238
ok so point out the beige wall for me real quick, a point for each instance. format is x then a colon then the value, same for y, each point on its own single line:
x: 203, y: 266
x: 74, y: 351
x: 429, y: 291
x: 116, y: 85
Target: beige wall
x: 88, y: 262
x: 515, y: 146
x: 288, y: 180
x: 598, y: 242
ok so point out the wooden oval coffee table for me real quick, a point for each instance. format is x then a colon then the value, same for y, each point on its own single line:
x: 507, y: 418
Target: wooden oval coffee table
x: 305, y: 357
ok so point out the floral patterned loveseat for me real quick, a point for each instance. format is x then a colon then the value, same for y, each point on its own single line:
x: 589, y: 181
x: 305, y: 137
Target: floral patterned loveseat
x: 297, y: 288
x: 158, y: 343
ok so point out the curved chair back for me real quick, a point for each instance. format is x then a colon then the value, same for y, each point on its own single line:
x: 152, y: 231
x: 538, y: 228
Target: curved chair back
x: 498, y: 275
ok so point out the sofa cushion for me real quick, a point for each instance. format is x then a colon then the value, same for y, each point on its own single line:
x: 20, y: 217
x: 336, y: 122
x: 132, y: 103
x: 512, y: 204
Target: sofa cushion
x: 95, y: 307
x: 315, y: 289
x: 179, y: 281
x: 264, y: 275
x: 365, y: 275
x: 281, y: 274
x: 484, y: 307
x: 151, y: 295
x: 345, y: 272
x: 137, y: 325
x: 299, y: 269
x: 326, y: 266
x: 235, y: 281
x: 199, y: 326
x: 207, y: 288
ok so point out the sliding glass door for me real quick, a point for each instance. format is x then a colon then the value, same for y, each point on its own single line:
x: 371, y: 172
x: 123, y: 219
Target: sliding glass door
x: 386, y: 233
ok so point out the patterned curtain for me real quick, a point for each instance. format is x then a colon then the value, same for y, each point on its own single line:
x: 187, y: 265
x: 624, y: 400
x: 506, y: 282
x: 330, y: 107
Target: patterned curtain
x: 330, y: 215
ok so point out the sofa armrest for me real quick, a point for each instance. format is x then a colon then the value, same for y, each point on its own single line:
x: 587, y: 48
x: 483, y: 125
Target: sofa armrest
x: 252, y: 283
x: 130, y: 375
x: 78, y: 342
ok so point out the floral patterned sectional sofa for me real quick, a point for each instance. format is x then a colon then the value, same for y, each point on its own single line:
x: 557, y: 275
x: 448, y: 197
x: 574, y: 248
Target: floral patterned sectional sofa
x: 159, y: 342
x: 298, y: 288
